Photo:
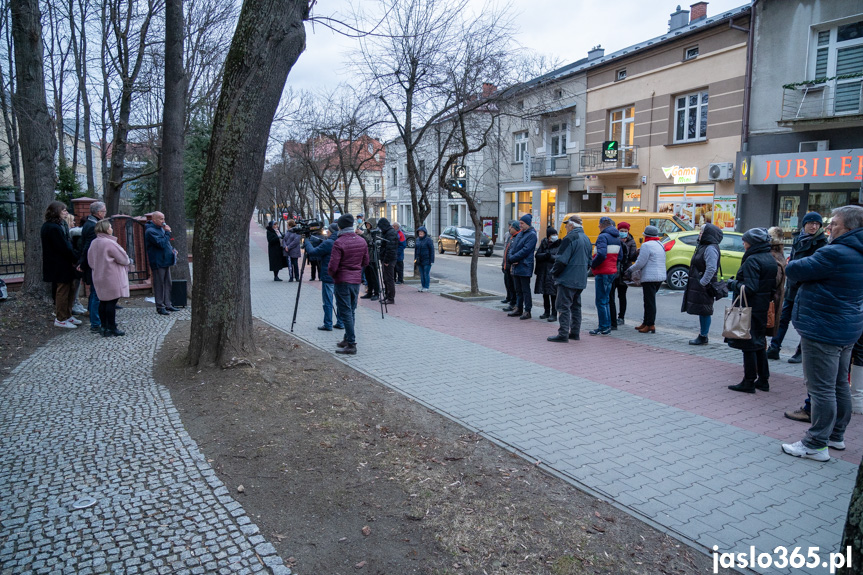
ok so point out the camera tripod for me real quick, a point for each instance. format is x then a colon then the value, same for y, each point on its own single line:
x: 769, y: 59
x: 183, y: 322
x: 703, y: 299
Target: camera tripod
x: 373, y: 256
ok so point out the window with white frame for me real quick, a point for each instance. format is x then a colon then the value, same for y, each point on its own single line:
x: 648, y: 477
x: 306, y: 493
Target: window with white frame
x: 690, y: 118
x: 839, y: 55
x: 395, y: 176
x: 558, y: 139
x: 691, y: 53
x: 520, y: 146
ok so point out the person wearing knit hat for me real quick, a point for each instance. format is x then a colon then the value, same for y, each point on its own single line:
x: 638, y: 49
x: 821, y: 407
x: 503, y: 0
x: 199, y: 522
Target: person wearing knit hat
x: 805, y: 242
x: 698, y: 296
x: 756, y: 275
x: 628, y: 253
x: 604, y: 266
x: 349, y: 256
x: 511, y: 300
x: 346, y: 221
x: 521, y: 256
x: 650, y: 265
x: 320, y: 248
x: 544, y: 282
x: 526, y: 218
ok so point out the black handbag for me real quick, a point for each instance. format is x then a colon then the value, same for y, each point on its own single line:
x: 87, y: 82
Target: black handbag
x: 719, y: 288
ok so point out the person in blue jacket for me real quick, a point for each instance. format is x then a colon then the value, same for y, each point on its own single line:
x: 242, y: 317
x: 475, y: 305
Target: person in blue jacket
x: 828, y: 313
x: 521, y: 256
x: 321, y: 248
x: 424, y: 257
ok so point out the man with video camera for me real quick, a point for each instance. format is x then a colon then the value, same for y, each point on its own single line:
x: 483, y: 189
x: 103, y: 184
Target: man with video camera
x: 349, y: 256
x: 388, y: 254
x: 322, y: 248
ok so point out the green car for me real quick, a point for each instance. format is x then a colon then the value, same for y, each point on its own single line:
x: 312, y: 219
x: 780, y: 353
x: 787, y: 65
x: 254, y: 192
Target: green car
x: 680, y: 247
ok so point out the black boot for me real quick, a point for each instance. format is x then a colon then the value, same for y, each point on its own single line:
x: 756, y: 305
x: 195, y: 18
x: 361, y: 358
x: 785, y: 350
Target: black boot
x: 544, y: 315
x: 553, y: 316
x: 515, y: 313
x: 762, y: 384
x: 746, y: 386
x: 772, y: 352
x: 700, y: 340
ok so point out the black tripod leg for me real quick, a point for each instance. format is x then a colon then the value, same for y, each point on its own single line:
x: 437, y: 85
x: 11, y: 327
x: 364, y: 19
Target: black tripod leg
x: 299, y: 287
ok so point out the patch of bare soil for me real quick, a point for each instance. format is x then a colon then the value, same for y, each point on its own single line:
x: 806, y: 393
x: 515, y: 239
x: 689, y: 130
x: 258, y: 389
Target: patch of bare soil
x: 25, y: 324
x: 344, y: 475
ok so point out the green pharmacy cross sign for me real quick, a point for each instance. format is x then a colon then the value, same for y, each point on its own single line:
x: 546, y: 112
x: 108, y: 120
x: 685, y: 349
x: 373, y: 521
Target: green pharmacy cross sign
x: 609, y: 151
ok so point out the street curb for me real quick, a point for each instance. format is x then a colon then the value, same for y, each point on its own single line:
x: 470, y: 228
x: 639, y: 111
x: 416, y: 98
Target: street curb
x: 470, y: 298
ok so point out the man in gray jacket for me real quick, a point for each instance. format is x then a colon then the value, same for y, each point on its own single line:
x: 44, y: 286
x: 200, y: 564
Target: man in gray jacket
x: 570, y: 275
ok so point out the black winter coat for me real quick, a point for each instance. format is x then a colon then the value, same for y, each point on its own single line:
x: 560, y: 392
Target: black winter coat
x: 697, y: 299
x: 58, y: 258
x: 544, y: 260
x: 803, y: 246
x: 758, y: 274
x: 274, y: 250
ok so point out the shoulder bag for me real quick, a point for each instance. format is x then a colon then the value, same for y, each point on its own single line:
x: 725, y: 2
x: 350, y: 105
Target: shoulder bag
x: 719, y: 288
x: 738, y: 318
x: 632, y: 278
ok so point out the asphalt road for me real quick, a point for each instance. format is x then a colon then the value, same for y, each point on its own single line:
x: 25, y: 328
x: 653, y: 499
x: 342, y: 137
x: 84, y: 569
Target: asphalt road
x: 456, y: 270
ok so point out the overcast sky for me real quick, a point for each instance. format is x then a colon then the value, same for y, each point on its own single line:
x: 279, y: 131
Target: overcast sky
x: 563, y: 28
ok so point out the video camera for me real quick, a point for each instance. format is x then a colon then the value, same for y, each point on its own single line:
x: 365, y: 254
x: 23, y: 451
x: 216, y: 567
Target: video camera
x: 307, y: 227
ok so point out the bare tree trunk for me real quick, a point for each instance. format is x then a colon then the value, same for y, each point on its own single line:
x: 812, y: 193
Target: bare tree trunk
x: 269, y: 38
x: 173, y: 126
x: 37, y: 139
x: 852, y: 536
x: 80, y: 55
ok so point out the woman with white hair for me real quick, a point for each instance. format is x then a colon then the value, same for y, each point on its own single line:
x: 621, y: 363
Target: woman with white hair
x: 110, y: 265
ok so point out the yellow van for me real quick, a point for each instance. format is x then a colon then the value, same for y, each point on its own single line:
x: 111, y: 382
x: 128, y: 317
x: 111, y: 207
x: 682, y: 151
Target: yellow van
x: 667, y: 223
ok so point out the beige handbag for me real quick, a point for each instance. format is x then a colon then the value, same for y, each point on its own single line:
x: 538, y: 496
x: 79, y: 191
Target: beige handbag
x: 738, y: 318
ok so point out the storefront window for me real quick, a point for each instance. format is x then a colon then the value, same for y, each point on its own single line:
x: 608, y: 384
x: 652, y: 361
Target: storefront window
x: 516, y: 204
x: 631, y: 199
x: 825, y: 202
x: 692, y: 204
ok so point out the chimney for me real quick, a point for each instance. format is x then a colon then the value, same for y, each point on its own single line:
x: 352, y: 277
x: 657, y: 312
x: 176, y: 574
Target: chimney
x: 679, y: 19
x: 488, y: 89
x: 698, y: 11
x: 596, y: 52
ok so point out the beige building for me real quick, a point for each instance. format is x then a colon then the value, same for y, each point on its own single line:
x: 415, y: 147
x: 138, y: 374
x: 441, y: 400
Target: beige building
x: 664, y: 120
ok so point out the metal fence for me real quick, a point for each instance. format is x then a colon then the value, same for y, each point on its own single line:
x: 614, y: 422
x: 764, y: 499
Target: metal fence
x: 11, y: 238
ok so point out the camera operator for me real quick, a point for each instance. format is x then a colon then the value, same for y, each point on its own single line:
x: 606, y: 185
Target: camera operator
x: 349, y: 256
x: 373, y: 291
x: 388, y: 255
x: 321, y: 249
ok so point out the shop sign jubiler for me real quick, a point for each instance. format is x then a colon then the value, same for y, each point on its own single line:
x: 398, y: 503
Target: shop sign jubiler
x: 681, y: 175
x: 839, y: 166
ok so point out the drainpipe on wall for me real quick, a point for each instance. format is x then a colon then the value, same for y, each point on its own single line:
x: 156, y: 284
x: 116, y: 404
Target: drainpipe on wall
x: 747, y: 96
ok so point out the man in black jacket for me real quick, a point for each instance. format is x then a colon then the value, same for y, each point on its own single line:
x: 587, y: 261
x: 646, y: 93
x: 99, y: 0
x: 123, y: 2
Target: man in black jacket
x: 88, y: 234
x: 388, y: 257
x: 808, y: 240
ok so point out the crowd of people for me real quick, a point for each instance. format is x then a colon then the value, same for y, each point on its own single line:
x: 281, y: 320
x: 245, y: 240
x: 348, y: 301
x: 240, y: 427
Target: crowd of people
x: 89, y: 254
x: 818, y: 289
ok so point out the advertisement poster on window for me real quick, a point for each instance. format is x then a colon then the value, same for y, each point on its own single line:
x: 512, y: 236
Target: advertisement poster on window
x: 609, y: 201
x: 724, y: 211
x: 632, y: 200
x: 488, y: 227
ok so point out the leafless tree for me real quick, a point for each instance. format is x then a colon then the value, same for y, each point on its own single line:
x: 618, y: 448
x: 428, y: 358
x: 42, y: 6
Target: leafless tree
x: 10, y: 121
x: 37, y: 138
x: 422, y: 48
x: 269, y: 37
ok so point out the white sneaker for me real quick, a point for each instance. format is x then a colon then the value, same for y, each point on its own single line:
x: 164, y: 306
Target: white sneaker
x: 74, y: 320
x: 837, y: 445
x: 800, y: 450
x: 419, y: 289
x: 78, y: 309
x: 65, y: 324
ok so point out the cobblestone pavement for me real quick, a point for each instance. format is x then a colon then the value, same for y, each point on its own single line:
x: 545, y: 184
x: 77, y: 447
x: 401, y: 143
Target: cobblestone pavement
x: 83, y: 418
x: 642, y: 420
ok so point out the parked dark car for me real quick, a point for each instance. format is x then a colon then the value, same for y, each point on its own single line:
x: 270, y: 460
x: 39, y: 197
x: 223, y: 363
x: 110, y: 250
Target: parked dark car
x: 409, y: 237
x: 461, y: 240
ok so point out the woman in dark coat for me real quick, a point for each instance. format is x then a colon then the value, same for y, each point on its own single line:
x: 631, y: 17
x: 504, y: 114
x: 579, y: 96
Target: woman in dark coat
x: 757, y: 275
x: 703, y: 269
x: 274, y: 251
x: 544, y: 282
x: 58, y: 263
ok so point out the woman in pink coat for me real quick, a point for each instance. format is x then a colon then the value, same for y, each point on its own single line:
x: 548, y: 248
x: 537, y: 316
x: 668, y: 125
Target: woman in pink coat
x: 109, y: 263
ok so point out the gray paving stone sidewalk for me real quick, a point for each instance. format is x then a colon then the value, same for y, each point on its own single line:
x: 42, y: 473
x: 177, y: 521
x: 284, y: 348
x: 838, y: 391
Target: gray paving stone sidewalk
x: 83, y: 418
x: 706, y: 482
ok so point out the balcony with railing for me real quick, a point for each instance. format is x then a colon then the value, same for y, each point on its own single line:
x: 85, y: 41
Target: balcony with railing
x: 550, y: 167
x: 590, y: 160
x: 834, y: 99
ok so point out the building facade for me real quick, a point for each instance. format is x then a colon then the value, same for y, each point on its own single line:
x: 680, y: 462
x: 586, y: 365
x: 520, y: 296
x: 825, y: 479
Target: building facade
x: 803, y: 149
x: 664, y: 121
